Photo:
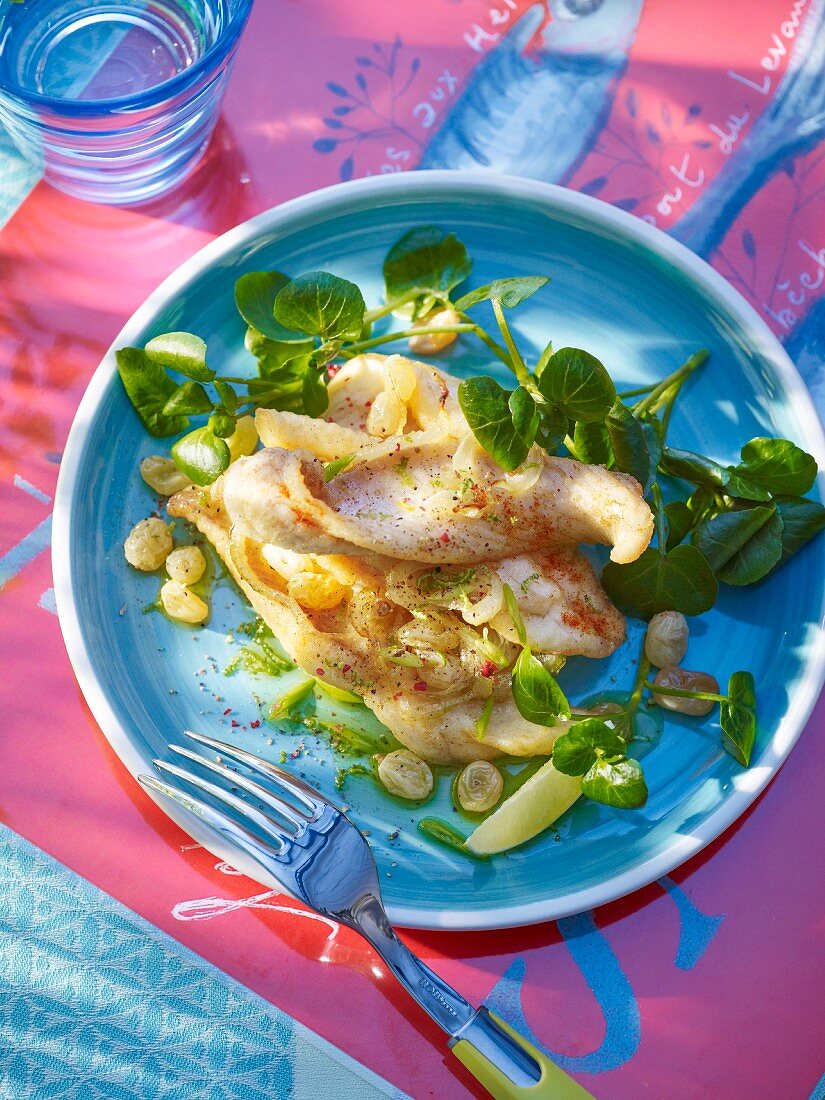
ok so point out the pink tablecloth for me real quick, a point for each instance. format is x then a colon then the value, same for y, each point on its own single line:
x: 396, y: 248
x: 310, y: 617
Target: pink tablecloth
x: 700, y: 117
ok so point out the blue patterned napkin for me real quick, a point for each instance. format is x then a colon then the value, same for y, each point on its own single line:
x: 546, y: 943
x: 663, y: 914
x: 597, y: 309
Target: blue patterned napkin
x: 97, y: 1004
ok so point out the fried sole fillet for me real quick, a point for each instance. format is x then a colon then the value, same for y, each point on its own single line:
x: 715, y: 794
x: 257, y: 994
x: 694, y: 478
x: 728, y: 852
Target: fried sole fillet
x: 418, y: 486
x: 359, y: 635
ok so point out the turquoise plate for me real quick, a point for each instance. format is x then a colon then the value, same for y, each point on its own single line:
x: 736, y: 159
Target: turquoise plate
x: 627, y: 293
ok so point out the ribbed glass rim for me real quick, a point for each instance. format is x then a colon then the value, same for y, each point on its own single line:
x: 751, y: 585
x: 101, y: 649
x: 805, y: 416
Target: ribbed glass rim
x: 160, y: 92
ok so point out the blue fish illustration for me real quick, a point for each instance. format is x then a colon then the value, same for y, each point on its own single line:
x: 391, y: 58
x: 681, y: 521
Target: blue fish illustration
x: 806, y: 346
x: 538, y: 114
x: 790, y: 126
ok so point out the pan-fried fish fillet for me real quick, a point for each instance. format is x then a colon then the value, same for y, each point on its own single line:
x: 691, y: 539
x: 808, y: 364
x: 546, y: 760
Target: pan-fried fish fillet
x: 418, y: 486
x: 405, y: 499
x: 375, y: 612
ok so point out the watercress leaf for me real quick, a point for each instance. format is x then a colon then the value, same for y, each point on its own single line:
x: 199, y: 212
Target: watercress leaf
x: 680, y: 580
x: 337, y: 466
x: 703, y: 471
x: 801, y: 520
x: 229, y: 399
x: 553, y: 428
x: 778, y: 465
x: 189, y: 399
x: 283, y: 389
x: 509, y: 292
x: 515, y: 614
x: 577, y: 750
x: 148, y: 387
x: 693, y: 467
x: 577, y: 382
x: 221, y: 424
x: 738, y: 717
x: 426, y: 259
x: 315, y: 393
x: 323, y: 305
x: 619, y: 783
x: 255, y: 294
x: 743, y: 546
x: 485, y: 405
x: 591, y: 444
x: 652, y: 428
x: 537, y: 696
x: 701, y: 503
x: 525, y: 414
x: 680, y: 522
x: 271, y: 354
x: 183, y: 352
x: 629, y: 444
x: 738, y: 484
x: 201, y: 455
x: 544, y: 359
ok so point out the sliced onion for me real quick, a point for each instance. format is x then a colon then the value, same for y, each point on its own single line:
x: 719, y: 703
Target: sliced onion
x: 488, y: 606
x: 521, y: 480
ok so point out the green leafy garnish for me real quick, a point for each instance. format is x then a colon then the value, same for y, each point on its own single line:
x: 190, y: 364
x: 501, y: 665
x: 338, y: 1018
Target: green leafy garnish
x: 229, y: 399
x: 598, y: 753
x: 620, y: 783
x: 679, y: 580
x: 630, y: 444
x: 201, y: 455
x: 149, y: 387
x: 536, y: 693
x: 738, y: 717
x: 575, y: 381
x: 183, y: 352
x: 576, y: 751
x: 323, y: 305
x: 778, y: 466
x: 704, y: 471
x: 741, y: 547
x: 189, y: 399
x: 591, y: 444
x: 801, y: 520
x: 425, y: 262
x: 255, y: 295
x: 503, y: 422
x: 509, y: 292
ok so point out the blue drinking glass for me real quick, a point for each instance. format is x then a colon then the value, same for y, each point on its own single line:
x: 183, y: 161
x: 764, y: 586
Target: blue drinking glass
x: 115, y: 100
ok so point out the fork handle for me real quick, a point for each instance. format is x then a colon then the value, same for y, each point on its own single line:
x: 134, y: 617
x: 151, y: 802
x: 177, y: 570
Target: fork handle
x: 486, y: 1048
x: 505, y: 1063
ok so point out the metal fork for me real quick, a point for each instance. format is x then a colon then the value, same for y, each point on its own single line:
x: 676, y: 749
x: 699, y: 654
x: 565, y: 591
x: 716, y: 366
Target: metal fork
x: 312, y: 848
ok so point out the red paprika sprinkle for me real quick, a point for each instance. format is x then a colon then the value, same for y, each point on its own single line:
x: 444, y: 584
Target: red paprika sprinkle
x: 254, y: 725
x: 420, y: 685
x: 346, y: 668
x: 444, y: 537
x: 319, y: 672
x: 228, y: 711
x: 489, y: 668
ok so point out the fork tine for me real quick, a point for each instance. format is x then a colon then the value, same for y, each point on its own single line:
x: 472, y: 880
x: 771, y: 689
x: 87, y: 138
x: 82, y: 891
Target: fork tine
x: 264, y: 822
x: 214, y: 818
x: 312, y: 799
x: 278, y: 804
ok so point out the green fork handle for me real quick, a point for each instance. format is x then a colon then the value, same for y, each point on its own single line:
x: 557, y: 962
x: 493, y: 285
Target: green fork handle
x: 480, y: 1052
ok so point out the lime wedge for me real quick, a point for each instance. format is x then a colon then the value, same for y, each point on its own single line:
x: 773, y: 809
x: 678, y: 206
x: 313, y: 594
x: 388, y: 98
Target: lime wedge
x: 543, y: 798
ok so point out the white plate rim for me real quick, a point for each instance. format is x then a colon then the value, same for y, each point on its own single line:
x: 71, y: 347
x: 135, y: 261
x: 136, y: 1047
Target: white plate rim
x: 746, y: 786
